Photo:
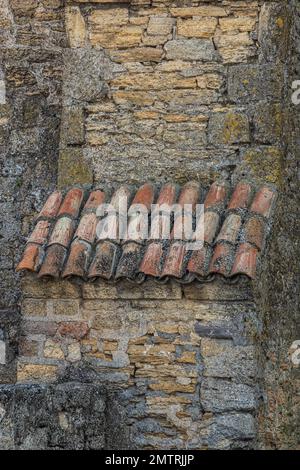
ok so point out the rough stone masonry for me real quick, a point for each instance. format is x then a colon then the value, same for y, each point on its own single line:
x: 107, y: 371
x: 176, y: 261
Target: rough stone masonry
x: 95, y: 92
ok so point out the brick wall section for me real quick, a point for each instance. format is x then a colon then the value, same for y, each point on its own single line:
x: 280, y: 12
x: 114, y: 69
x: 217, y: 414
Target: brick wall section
x: 183, y: 90
x: 182, y: 360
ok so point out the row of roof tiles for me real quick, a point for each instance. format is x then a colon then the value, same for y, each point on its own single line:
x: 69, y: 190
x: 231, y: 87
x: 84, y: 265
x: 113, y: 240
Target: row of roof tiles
x: 64, y: 241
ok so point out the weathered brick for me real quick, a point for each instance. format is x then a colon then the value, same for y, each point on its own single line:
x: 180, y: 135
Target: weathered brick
x: 28, y: 347
x: 197, y: 28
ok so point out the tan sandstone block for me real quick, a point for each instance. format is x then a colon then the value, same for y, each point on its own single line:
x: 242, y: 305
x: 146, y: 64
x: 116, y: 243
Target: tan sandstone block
x: 241, y: 23
x: 75, y: 27
x: 137, y: 54
x: 108, y: 20
x: 171, y: 387
x: 36, y: 373
x: 34, y: 307
x: 197, y: 27
x: 127, y: 36
x: 205, y: 10
x: 153, y: 81
x: 66, y: 307
x: 53, y: 350
x: 160, y: 25
x: 187, y: 357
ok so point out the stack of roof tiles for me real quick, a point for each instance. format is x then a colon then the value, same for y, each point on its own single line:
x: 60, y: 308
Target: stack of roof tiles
x: 64, y: 242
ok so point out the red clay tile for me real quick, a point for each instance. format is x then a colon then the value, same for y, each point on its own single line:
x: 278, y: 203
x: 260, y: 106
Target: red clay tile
x: 62, y: 232
x: 263, y: 201
x: 87, y: 227
x: 105, y: 260
x: 74, y: 329
x: 221, y: 261
x: 216, y: 195
x: 112, y: 262
x: 71, y: 203
x: 151, y: 263
x: 207, y: 226
x: 144, y: 196
x: 129, y: 261
x: 108, y: 228
x: 53, y: 262
x: 230, y: 228
x: 190, y: 194
x: 95, y: 199
x: 183, y: 227
x: 40, y: 232
x: 174, y: 264
x: 241, y: 196
x: 52, y: 205
x: 167, y: 195
x: 78, y: 259
x: 31, y: 259
x: 245, y: 261
x: 121, y: 196
x: 254, y: 231
x: 138, y: 227
x: 199, y: 261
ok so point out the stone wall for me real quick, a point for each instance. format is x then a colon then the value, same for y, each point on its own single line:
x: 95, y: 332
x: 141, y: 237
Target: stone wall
x: 182, y: 361
x: 172, y: 90
x: 103, y: 91
x: 32, y: 38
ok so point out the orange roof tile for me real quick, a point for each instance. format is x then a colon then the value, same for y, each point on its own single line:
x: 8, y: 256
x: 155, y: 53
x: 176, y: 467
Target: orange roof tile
x: 71, y: 239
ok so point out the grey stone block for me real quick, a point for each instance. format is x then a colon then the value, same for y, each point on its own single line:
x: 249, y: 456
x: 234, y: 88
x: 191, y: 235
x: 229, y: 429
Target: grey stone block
x: 221, y: 395
x: 191, y: 49
x: 255, y: 82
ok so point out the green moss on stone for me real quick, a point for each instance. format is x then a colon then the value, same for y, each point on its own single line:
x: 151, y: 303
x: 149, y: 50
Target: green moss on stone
x: 73, y: 168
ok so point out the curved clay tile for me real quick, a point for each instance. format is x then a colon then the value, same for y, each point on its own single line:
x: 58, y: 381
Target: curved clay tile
x: 245, y: 261
x: 70, y: 255
x: 51, y: 206
x: 78, y: 259
x: 241, y: 196
x: 53, y: 261
x: 71, y: 203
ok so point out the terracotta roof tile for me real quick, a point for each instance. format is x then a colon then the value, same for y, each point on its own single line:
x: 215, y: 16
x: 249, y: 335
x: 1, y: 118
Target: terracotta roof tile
x: 230, y: 228
x: 190, y: 194
x: 174, y: 264
x: 32, y: 258
x: 40, y: 232
x: 71, y: 203
x: 144, y: 195
x: 198, y: 263
x: 222, y: 259
x: 95, y: 199
x: 245, y: 261
x: 263, y: 201
x: 128, y: 266
x: 78, y: 259
x: 87, y: 228
x: 216, y: 196
x: 51, y: 206
x: 53, y: 262
x: 70, y: 239
x: 151, y: 263
x: 62, y: 232
x: 105, y: 260
x: 241, y: 196
x: 167, y: 194
x: 254, y: 231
